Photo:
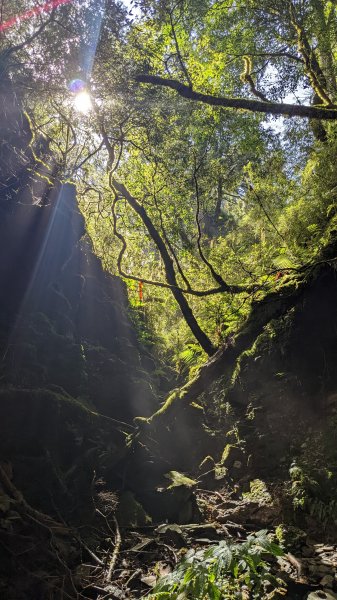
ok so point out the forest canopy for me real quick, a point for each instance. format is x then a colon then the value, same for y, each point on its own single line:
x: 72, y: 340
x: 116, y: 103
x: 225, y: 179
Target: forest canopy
x: 200, y: 135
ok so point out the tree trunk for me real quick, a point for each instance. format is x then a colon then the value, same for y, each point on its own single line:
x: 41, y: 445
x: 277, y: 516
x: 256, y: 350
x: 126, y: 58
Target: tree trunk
x: 185, y: 308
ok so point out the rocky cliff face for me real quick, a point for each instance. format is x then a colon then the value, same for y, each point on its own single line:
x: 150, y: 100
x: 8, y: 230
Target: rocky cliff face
x: 64, y: 321
x: 72, y: 373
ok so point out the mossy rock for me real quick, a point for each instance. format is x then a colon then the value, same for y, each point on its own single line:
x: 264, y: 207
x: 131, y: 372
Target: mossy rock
x: 130, y: 512
x: 289, y: 536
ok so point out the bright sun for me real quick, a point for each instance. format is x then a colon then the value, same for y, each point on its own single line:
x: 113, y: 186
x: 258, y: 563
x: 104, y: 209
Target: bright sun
x: 82, y: 102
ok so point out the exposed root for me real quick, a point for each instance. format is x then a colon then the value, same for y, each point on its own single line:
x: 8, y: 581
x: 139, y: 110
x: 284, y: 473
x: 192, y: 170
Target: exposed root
x: 32, y: 513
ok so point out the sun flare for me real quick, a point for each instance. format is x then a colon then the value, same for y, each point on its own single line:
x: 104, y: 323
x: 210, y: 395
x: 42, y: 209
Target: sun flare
x: 82, y: 102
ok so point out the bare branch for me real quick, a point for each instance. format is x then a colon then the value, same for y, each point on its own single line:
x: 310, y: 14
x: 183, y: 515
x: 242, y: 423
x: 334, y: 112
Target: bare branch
x: 30, y: 39
x: 279, y: 54
x: 265, y: 212
x: 88, y: 157
x: 169, y: 244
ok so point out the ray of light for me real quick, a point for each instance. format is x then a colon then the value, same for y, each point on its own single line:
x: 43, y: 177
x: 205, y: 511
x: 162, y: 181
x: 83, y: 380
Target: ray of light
x: 90, y: 41
x: 53, y: 226
x: 32, y: 12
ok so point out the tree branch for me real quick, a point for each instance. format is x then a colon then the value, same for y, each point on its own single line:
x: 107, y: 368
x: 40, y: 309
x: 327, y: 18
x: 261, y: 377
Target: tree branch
x: 139, y: 209
x: 235, y: 289
x: 170, y: 246
x: 31, y: 38
x: 216, y: 276
x: 271, y: 108
x: 279, y: 54
x: 246, y: 77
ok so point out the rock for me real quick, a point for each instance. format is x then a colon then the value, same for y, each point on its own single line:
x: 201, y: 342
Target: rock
x: 318, y: 570
x: 130, y: 512
x: 322, y: 595
x: 306, y: 551
x: 331, y: 400
x: 322, y: 569
x: 5, y: 502
x: 149, y: 580
x: 327, y: 581
x: 321, y: 549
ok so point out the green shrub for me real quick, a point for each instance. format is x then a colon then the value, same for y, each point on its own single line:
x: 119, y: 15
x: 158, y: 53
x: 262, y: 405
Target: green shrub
x: 227, y: 570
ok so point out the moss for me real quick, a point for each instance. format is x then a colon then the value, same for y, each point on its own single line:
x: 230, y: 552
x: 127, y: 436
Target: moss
x: 258, y: 492
x: 246, y: 355
x: 277, y: 329
x: 178, y: 479
x: 177, y: 394
x: 290, y: 537
x: 226, y: 453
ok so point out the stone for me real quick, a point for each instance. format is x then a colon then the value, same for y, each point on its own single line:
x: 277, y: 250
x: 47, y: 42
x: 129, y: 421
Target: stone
x: 319, y: 570
x: 321, y: 549
x: 327, y: 581
x: 307, y: 552
x: 322, y: 595
x: 323, y: 569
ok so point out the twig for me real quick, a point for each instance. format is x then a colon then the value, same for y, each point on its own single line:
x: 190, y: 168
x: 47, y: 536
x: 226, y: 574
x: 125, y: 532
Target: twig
x: 92, y: 554
x: 175, y: 558
x: 246, y: 77
x: 118, y: 542
x: 234, y: 289
x: 180, y: 58
x: 216, y: 276
x: 133, y: 576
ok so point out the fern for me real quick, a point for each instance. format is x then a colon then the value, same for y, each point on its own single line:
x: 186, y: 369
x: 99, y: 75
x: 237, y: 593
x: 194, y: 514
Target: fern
x: 189, y: 357
x: 283, y: 261
x: 222, y: 571
x: 325, y: 512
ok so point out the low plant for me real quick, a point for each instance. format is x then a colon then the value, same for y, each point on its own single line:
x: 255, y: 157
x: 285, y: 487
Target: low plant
x: 226, y: 571
x: 313, y: 485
